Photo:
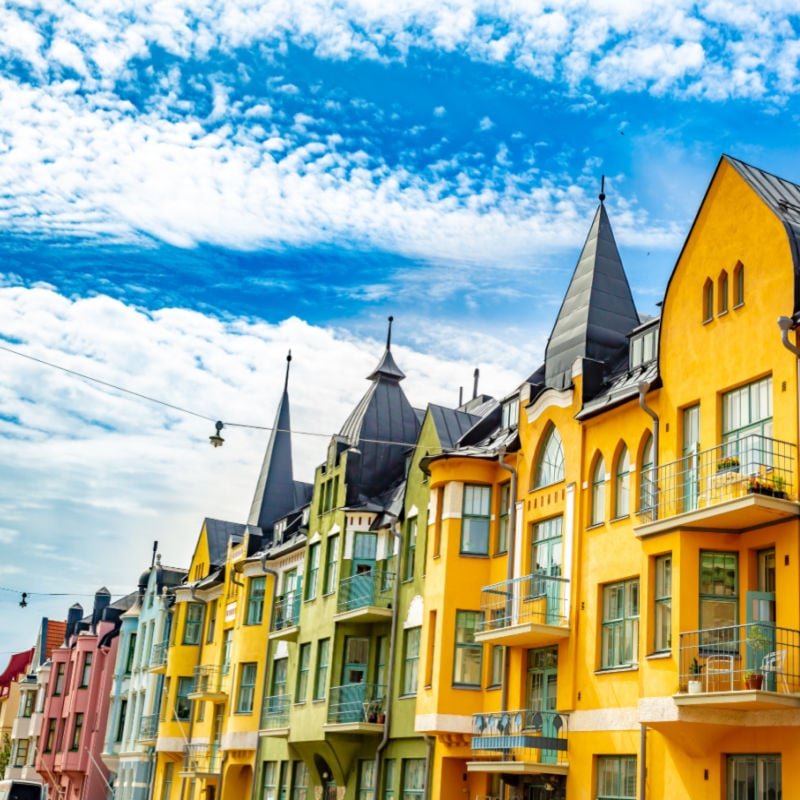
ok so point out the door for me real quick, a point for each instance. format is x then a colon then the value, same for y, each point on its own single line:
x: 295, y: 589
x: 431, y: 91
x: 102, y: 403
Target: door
x: 291, y: 599
x: 546, y: 566
x: 691, y: 448
x: 354, y: 679
x: 362, y: 583
x: 760, y: 635
x: 216, y: 736
x: 541, y: 695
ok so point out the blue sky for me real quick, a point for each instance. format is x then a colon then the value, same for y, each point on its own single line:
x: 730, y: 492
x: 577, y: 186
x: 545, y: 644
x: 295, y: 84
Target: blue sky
x: 184, y: 185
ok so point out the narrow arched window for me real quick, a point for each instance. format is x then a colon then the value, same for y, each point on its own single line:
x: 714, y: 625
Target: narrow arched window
x: 738, y: 285
x: 550, y: 465
x: 708, y: 300
x: 647, y: 478
x: 622, y: 484
x: 599, y: 492
x: 722, y: 293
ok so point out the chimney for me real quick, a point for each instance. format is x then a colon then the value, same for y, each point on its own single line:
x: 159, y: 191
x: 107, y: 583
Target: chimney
x: 460, y: 396
x: 475, y: 375
x: 74, y: 616
x: 102, y: 599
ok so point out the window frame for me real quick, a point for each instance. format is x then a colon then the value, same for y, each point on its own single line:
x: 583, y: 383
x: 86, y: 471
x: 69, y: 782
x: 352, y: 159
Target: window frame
x: 622, y: 484
x: 256, y: 593
x: 469, y: 646
x: 312, y: 571
x: 299, y: 780
x: 412, y: 640
x: 708, y: 301
x: 627, y: 623
x: 625, y: 767
x: 415, y: 792
x: 550, y: 466
x: 738, y: 285
x: 722, y: 293
x: 760, y: 760
x: 77, y: 732
x: 331, y: 564
x: 598, y: 505
x: 18, y: 762
x: 246, y: 690
x: 303, y: 670
x: 482, y: 493
x: 721, y: 641
x: 86, y: 669
x: 130, y: 655
x: 322, y: 668
x: 187, y: 684
x: 412, y: 532
x: 503, y: 516
x: 195, y: 626
x: 662, y: 599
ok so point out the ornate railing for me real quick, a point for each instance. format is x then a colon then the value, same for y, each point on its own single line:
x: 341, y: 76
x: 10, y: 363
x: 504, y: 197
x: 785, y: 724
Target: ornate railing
x: 538, y: 598
x: 158, y: 655
x: 275, y: 712
x: 202, y: 759
x: 524, y: 735
x: 208, y: 679
x: 365, y: 589
x: 357, y: 702
x: 148, y: 727
x: 286, y: 609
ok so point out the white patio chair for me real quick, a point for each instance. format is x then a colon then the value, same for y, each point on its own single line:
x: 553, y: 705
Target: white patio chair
x: 776, y: 662
x: 716, y: 666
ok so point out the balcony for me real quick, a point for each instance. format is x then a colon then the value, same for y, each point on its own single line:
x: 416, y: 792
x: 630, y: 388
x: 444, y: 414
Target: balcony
x: 275, y: 715
x: 201, y: 760
x: 732, y: 487
x: 356, y: 708
x: 158, y: 657
x: 286, y: 616
x: 752, y: 666
x: 365, y: 597
x: 531, y: 612
x: 148, y: 729
x: 208, y: 684
x: 524, y: 742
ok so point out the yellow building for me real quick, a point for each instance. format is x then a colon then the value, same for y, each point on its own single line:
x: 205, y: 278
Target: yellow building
x: 628, y: 625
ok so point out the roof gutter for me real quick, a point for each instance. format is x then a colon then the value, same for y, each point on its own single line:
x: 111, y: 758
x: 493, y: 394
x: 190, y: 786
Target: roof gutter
x: 512, y: 546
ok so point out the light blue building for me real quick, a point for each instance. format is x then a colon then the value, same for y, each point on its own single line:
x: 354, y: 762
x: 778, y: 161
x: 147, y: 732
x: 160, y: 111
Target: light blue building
x: 129, y: 751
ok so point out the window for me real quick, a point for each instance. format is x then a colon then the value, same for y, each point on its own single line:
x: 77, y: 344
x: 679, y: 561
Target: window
x: 226, y: 651
x: 644, y: 347
x: 411, y: 548
x: 255, y: 601
x: 183, y: 706
x: 129, y: 656
x: 502, y: 526
x: 58, y: 684
x: 247, y: 688
x: 269, y: 782
x: 708, y: 300
x: 620, y: 646
x: 546, y: 552
x: 279, y: 676
x: 747, y: 416
x: 194, y: 623
x: 21, y: 753
x: 550, y: 466
x: 722, y: 296
x: 496, y: 677
x: 511, y: 412
x: 616, y: 778
x: 331, y: 564
x: 663, y: 604
x: 430, y: 660
x: 299, y: 780
x: 388, y: 779
x: 366, y: 780
x: 303, y: 667
x: 475, y: 520
x: 766, y: 570
x: 754, y: 777
x: 719, y: 597
x: 76, y: 732
x: 468, y: 655
x: 312, y: 571
x: 647, y: 477
x: 87, y: 670
x: 50, y: 739
x: 738, y: 285
x: 123, y: 713
x: 321, y: 679
x: 212, y: 622
x: 166, y: 784
x: 27, y: 704
x: 598, y: 492
x: 380, y: 666
x: 413, y: 779
x: 622, y: 484
x: 411, y: 661
x: 437, y: 522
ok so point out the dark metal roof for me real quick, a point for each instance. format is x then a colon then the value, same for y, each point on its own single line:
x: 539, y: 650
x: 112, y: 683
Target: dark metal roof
x: 275, y: 493
x: 218, y: 532
x: 451, y: 424
x: 620, y: 389
x: 783, y: 199
x: 598, y: 309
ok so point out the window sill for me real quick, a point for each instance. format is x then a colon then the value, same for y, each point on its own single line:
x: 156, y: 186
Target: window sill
x: 407, y: 696
x: 473, y: 555
x: 471, y: 687
x: 299, y: 702
x: 621, y: 668
x: 739, y: 305
x: 540, y: 488
x: 619, y: 519
x: 707, y: 321
x: 659, y: 654
x: 501, y: 553
x: 242, y: 713
x: 494, y: 687
x: 722, y: 313
x: 595, y: 525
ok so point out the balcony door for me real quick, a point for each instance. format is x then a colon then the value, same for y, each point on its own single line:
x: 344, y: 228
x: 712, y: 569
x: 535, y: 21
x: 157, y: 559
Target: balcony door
x: 691, y: 447
x: 540, y: 694
x: 546, y: 567
x: 354, y: 678
x: 760, y: 636
x: 362, y: 589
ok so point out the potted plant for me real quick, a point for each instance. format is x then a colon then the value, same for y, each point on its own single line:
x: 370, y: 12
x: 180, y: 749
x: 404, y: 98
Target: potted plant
x: 696, y: 677
x: 758, y: 642
x: 779, y: 486
x: 727, y: 464
x: 756, y: 486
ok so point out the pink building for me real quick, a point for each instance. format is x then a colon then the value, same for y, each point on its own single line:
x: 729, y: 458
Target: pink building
x: 78, y: 697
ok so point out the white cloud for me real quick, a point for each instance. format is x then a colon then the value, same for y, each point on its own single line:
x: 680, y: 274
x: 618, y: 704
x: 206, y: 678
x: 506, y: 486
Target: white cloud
x: 485, y: 124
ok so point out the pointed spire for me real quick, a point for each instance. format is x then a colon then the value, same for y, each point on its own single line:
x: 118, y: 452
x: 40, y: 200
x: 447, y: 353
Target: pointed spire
x: 602, y: 196
x: 274, y: 496
x: 598, y: 309
x: 387, y: 367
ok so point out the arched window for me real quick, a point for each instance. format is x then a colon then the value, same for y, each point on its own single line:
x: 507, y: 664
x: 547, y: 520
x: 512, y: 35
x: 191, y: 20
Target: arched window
x: 599, y: 491
x: 738, y: 285
x: 550, y: 466
x: 647, y: 478
x: 622, y: 484
x: 722, y: 293
x: 708, y: 300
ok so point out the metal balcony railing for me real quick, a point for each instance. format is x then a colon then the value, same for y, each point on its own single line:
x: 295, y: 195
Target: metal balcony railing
x: 539, y: 599
x: 286, y: 609
x: 148, y: 727
x: 158, y: 655
x: 365, y: 589
x: 752, y: 464
x: 357, y: 702
x: 524, y: 735
x: 207, y: 679
x: 275, y: 712
x: 735, y: 658
x: 202, y: 759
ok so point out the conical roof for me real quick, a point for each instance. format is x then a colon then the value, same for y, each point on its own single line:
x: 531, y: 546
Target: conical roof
x: 275, y: 492
x: 598, y: 309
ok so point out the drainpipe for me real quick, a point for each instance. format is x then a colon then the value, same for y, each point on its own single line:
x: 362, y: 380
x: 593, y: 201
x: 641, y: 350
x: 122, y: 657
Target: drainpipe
x: 512, y: 545
x: 430, y: 744
x: 398, y: 538
x: 786, y: 324
x: 642, y: 761
x: 644, y: 388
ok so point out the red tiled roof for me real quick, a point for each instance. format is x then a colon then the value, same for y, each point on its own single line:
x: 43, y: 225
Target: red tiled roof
x: 17, y: 665
x: 55, y: 636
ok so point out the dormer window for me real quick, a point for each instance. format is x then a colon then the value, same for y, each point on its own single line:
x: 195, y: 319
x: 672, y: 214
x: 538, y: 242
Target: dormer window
x: 511, y: 412
x: 644, y: 347
x: 280, y: 527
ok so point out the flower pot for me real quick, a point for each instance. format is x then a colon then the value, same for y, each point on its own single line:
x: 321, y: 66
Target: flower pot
x: 381, y: 719
x: 695, y: 686
x: 754, y: 681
